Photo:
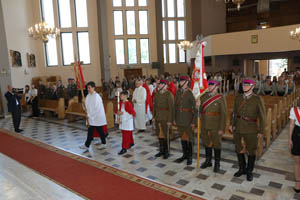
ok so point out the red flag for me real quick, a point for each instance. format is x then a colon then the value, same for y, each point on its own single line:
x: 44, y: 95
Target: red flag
x: 148, y: 98
x: 80, y: 77
x: 199, y: 80
x: 172, y: 88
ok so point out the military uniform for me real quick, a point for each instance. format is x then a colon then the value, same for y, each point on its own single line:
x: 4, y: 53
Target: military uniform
x: 163, y: 113
x: 247, y: 111
x: 185, y: 112
x: 213, y: 120
x: 41, y: 91
x: 60, y: 91
x: 72, y: 90
x: 48, y: 93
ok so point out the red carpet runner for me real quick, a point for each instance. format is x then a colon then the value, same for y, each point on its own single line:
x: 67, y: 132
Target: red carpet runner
x: 91, y: 179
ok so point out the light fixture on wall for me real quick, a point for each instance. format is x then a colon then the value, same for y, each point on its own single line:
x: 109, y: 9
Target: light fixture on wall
x: 4, y: 72
x: 185, y: 45
x: 238, y: 3
x: 42, y: 31
x: 295, y: 35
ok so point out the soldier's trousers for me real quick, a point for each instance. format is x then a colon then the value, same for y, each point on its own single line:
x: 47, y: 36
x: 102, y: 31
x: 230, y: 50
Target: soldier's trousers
x: 186, y: 133
x: 213, y: 139
x: 250, y: 142
x: 161, y: 129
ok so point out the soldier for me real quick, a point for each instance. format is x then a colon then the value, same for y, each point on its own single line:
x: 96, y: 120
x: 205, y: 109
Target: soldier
x: 248, y: 108
x: 213, y: 121
x: 41, y: 90
x: 60, y: 91
x: 70, y: 88
x: 163, y: 116
x: 74, y: 88
x: 49, y: 91
x: 185, y: 118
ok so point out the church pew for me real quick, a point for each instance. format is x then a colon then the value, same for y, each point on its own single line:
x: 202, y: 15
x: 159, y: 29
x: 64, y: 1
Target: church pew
x: 75, y: 109
x: 57, y: 106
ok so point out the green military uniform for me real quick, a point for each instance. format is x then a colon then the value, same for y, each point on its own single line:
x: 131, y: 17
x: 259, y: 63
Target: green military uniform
x: 72, y: 90
x: 185, y: 116
x: 247, y: 111
x: 213, y: 120
x: 163, y: 113
x: 60, y: 91
x: 48, y: 93
x: 41, y: 91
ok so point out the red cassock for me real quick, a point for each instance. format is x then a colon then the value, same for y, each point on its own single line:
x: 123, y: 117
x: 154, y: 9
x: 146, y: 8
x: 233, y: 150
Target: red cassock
x: 127, y: 128
x: 172, y: 88
x: 104, y: 128
x: 148, y: 99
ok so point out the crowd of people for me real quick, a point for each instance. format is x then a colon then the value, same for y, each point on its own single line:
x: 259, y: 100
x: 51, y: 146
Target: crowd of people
x: 167, y: 100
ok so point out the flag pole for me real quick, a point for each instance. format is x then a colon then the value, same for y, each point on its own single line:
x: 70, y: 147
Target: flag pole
x: 198, y: 137
x: 79, y: 80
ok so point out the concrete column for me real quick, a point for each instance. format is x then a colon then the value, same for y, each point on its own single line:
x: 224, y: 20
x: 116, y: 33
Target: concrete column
x: 103, y: 40
x: 5, y: 78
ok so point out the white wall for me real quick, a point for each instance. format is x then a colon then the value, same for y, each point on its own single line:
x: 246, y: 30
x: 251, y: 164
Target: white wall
x: 17, y: 19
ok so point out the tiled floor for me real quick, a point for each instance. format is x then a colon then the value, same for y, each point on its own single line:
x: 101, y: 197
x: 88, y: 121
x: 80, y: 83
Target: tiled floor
x: 273, y: 175
x: 19, y: 182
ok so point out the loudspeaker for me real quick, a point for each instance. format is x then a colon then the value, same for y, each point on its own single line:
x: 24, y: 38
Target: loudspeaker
x: 155, y: 65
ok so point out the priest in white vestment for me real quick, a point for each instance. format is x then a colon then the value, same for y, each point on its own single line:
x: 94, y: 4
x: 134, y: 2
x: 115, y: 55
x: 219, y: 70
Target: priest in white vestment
x: 139, y: 102
x: 96, y: 115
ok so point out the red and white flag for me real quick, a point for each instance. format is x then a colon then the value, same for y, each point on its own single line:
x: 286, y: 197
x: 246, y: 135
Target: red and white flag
x: 79, y: 76
x: 199, y: 79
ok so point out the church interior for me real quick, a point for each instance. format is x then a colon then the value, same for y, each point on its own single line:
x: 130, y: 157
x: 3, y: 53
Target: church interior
x: 62, y: 45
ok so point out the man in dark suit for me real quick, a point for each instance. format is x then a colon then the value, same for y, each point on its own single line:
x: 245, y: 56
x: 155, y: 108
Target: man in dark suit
x: 14, y: 107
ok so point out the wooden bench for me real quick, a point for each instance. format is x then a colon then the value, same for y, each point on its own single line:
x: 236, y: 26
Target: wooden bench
x: 75, y: 109
x: 57, y: 106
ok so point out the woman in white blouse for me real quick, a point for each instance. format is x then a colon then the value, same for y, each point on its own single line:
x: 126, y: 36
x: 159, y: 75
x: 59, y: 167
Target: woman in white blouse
x: 294, y: 143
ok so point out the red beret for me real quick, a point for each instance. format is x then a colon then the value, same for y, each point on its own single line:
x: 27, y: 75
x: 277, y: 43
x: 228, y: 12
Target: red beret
x: 184, y: 78
x: 164, y: 81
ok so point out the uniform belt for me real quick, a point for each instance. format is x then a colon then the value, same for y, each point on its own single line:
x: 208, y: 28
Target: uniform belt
x: 247, y: 119
x: 211, y: 113
x: 185, y: 109
x: 159, y: 108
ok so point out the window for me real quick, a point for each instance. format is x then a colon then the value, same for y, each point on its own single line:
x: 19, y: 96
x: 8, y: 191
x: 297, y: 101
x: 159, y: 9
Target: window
x: 74, y: 38
x: 131, y: 31
x: 174, y: 30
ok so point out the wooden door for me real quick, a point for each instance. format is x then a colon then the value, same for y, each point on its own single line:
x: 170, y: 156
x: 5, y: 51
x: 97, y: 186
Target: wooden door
x: 128, y: 73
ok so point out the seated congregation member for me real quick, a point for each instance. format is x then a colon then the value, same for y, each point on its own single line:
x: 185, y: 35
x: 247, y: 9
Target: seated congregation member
x: 34, y: 101
x: 257, y: 88
x: 213, y: 121
x: 185, y: 119
x: 126, y: 114
x: 95, y: 115
x: 139, y: 101
x: 291, y: 85
x: 268, y: 87
x: 14, y: 107
x: 60, y: 91
x: 294, y: 143
x: 281, y: 88
x: 248, y: 109
x: 163, y: 110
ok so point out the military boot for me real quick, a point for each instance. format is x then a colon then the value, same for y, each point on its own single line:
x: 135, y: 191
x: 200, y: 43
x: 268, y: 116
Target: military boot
x: 250, y: 167
x: 161, y: 148
x: 189, y: 154
x: 217, y: 160
x: 184, y: 151
x: 242, y: 165
x: 166, y: 150
x: 208, y: 156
